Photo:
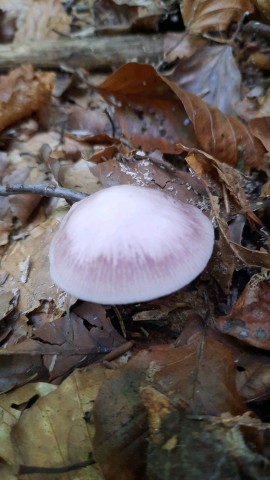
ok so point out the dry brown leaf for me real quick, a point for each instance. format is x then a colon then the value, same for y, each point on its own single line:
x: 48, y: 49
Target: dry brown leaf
x: 197, y: 378
x: 150, y: 114
x: 88, y: 122
x: 57, y: 430
x: 39, y: 20
x: 114, y: 16
x: 73, y: 147
x: 264, y: 105
x: 64, y: 344
x: 185, y: 447
x: 256, y: 105
x: 23, y: 92
x: 259, y: 60
x: 98, y: 139
x: 246, y: 255
x: 222, y: 264
x: 22, y: 206
x: 76, y: 176
x: 33, y: 144
x: 181, y: 45
x: 10, y: 413
x: 8, y: 472
x: 15, y: 210
x: 260, y: 129
x: 221, y: 136
x: 214, y: 175
x: 211, y: 73
x: 253, y: 375
x: 105, y: 153
x: 157, y: 114
x: 263, y: 7
x: 145, y: 173
x: 206, y: 166
x: 265, y: 191
x: 17, y: 370
x: 203, y: 15
x: 27, y: 259
x: 8, y: 301
x: 249, y: 318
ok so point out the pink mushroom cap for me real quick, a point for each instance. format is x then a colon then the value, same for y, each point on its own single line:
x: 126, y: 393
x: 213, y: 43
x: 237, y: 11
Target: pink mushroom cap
x: 128, y: 244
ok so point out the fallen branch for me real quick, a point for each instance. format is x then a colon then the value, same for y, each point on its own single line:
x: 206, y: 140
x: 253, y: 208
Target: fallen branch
x: 92, y: 52
x: 45, y: 190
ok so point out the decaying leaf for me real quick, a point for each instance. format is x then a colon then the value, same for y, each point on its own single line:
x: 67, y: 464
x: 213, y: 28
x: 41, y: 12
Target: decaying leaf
x: 8, y: 301
x: 180, y: 45
x: 22, y: 207
x: 154, y: 112
x: 183, y: 375
x: 19, y: 369
x: 186, y: 447
x: 76, y: 176
x: 206, y: 15
x: 149, y: 114
x: 212, y: 74
x: 260, y: 129
x: 37, y: 20
x: 77, y: 338
x: 210, y: 169
x: 23, y: 92
x: 146, y: 173
x: 11, y: 405
x: 114, y: 16
x: 57, y: 431
x: 219, y: 179
x: 263, y: 7
x: 88, y: 122
x: 249, y: 318
x: 222, y: 265
x: 253, y: 374
x: 38, y: 288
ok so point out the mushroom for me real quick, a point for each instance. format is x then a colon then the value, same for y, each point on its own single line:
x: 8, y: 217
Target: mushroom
x: 128, y: 244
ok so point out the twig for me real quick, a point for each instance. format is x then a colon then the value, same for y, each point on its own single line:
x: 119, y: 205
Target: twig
x: 120, y: 320
x: 239, y: 26
x: 231, y: 40
x: 111, y: 121
x: 26, y: 470
x: 117, y: 352
x: 43, y: 189
x: 225, y: 198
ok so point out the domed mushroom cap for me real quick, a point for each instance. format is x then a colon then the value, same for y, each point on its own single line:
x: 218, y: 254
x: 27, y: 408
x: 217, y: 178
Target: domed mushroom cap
x: 129, y: 244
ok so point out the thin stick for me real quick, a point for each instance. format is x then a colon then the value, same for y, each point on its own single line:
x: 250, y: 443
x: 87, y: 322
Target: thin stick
x: 118, y: 351
x: 106, y: 111
x: 120, y: 320
x: 225, y: 198
x: 43, y: 189
x: 26, y: 470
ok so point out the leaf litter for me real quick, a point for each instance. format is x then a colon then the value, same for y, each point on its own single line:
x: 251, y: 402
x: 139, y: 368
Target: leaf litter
x: 173, y: 388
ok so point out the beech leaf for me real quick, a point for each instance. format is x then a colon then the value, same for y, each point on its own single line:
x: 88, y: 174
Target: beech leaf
x: 203, y: 15
x: 154, y: 112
